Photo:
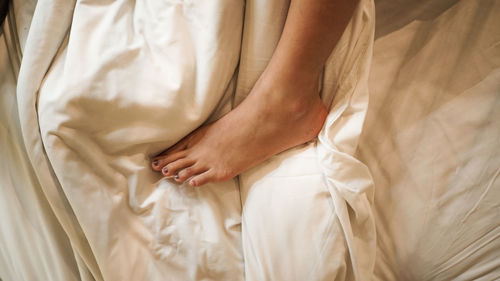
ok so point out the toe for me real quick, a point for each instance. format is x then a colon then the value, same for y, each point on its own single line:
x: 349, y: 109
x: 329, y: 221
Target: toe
x: 202, y: 178
x: 173, y: 167
x: 188, y: 172
x: 160, y: 161
x: 179, y: 146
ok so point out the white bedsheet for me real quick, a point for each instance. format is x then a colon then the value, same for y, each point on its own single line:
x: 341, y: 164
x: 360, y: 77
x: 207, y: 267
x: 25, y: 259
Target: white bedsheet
x: 85, y: 206
x: 129, y: 80
x: 124, y: 81
x: 432, y: 140
x: 33, y: 245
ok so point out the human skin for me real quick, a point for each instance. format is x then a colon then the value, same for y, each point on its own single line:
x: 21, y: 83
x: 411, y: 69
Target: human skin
x: 282, y: 110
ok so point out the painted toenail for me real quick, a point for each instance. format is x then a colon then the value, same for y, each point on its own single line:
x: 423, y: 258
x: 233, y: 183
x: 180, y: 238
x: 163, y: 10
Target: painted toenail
x: 165, y: 170
x: 155, y: 162
x: 176, y: 177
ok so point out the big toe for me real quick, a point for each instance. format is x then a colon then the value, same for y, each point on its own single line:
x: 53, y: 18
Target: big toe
x: 188, y: 172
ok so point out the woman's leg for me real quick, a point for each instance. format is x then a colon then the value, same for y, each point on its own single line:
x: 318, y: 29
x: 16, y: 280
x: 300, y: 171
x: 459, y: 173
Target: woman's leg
x: 282, y: 110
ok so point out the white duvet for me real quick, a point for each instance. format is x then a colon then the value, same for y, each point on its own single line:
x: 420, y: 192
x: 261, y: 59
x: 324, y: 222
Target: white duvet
x: 118, y: 82
x: 105, y: 85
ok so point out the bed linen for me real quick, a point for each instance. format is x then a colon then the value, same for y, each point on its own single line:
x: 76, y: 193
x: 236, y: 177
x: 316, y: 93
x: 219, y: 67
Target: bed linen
x: 150, y: 64
x: 98, y: 130
x: 432, y: 140
x: 311, y: 206
x: 408, y: 187
x: 33, y: 246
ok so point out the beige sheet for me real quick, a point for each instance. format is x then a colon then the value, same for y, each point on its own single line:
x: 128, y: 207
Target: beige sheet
x: 33, y: 246
x: 430, y: 140
x: 98, y: 128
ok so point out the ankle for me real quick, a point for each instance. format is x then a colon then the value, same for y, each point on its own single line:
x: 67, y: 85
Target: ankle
x: 292, y: 96
x: 299, y: 108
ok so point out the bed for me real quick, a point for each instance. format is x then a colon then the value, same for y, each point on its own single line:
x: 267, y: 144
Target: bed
x: 401, y: 184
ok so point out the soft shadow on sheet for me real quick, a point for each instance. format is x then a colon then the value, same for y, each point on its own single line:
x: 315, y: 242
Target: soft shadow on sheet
x: 431, y: 139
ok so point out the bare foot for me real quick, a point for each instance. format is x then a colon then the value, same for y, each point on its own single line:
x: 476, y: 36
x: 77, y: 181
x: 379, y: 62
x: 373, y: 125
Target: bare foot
x: 282, y: 110
x: 276, y: 115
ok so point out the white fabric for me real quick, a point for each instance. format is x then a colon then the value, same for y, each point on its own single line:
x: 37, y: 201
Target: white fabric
x: 284, y: 238
x: 33, y: 246
x: 152, y: 73
x: 432, y: 140
x: 85, y: 205
x: 105, y: 106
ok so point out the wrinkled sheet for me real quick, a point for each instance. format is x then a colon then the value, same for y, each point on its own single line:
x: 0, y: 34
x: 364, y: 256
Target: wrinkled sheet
x: 100, y: 96
x: 435, y: 171
x: 432, y: 140
x: 33, y: 245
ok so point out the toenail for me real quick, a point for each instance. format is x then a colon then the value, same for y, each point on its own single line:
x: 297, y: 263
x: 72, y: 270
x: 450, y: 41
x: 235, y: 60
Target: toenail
x: 176, y: 177
x: 155, y: 162
x: 165, y: 170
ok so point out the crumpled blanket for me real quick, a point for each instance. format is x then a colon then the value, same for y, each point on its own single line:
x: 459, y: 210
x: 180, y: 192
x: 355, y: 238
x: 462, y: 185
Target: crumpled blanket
x: 106, y: 85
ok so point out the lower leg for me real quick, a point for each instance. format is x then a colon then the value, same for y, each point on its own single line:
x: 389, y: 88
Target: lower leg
x: 282, y: 110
